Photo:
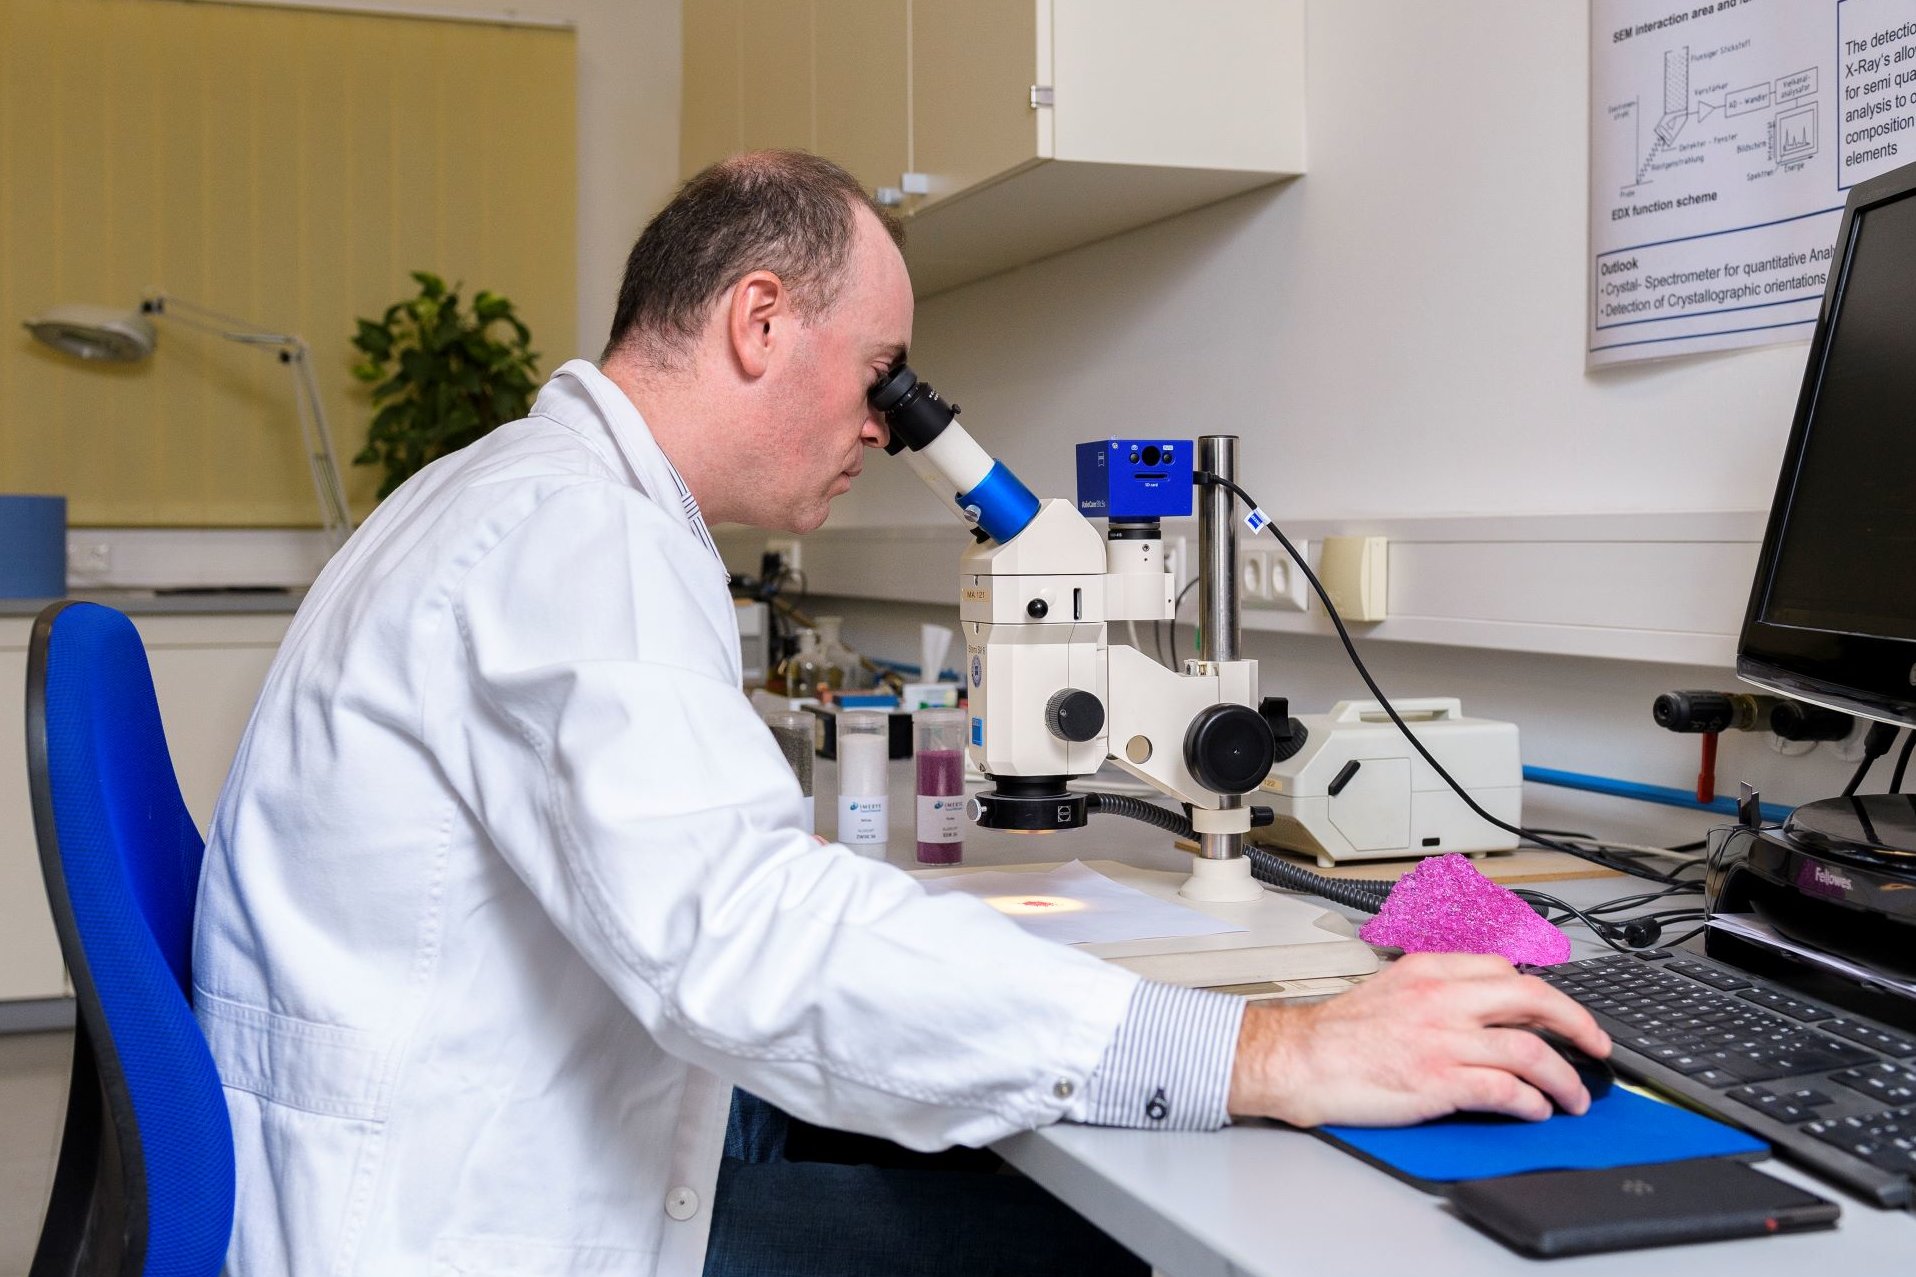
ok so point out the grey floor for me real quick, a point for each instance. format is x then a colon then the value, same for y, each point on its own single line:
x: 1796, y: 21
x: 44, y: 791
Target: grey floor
x: 33, y: 1095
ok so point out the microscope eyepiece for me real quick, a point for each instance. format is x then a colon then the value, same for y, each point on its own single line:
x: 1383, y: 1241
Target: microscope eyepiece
x: 897, y: 383
x: 911, y: 408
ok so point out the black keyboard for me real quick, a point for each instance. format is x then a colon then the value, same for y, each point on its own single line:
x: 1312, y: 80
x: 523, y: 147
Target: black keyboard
x: 1831, y: 1090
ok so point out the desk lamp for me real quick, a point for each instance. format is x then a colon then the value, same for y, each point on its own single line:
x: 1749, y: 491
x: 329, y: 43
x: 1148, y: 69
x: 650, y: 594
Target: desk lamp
x: 106, y: 335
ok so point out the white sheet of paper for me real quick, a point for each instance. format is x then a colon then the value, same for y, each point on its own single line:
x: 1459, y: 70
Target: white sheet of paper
x: 1075, y: 904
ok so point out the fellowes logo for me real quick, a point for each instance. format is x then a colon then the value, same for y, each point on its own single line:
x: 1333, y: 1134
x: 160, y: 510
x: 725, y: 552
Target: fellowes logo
x: 1827, y: 877
x: 1638, y: 1187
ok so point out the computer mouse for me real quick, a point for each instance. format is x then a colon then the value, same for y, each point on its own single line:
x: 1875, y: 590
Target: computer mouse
x: 1597, y: 1075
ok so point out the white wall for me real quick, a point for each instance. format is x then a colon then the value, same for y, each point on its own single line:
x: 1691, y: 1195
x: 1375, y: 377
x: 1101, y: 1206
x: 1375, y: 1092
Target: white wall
x: 1397, y: 333
x: 628, y: 131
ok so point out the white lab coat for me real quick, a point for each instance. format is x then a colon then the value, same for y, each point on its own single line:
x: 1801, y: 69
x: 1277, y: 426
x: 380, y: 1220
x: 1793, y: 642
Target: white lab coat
x: 508, y: 887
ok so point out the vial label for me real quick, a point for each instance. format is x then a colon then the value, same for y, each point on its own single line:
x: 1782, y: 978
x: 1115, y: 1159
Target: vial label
x: 941, y: 818
x: 811, y: 815
x: 861, y: 820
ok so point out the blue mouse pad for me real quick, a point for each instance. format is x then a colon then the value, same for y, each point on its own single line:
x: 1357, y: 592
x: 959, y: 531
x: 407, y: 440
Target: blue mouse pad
x: 1621, y: 1129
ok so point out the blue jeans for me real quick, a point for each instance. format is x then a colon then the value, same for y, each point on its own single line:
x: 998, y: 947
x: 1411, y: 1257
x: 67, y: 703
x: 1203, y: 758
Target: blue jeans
x: 795, y: 1200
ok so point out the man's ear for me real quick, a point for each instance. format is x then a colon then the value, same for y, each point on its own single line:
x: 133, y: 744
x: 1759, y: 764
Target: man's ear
x: 757, y: 320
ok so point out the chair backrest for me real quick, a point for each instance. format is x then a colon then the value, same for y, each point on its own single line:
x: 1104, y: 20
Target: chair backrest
x: 144, y: 1186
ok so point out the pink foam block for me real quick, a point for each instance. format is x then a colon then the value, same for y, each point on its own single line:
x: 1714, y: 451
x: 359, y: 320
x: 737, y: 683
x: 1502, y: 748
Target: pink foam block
x: 1445, y: 906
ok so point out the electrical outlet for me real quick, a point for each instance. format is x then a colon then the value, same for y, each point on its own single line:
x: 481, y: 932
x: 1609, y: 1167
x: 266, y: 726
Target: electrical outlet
x: 787, y: 551
x: 1253, y: 576
x: 1266, y: 578
x: 1290, y: 592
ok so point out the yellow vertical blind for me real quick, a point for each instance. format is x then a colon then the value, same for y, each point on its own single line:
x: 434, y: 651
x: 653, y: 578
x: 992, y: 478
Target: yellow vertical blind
x: 290, y: 167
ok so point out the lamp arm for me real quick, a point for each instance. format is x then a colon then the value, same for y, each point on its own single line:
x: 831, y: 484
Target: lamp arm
x: 334, y: 512
x: 208, y: 320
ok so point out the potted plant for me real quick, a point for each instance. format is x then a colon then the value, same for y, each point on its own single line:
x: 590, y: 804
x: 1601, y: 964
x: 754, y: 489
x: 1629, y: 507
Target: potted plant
x: 441, y: 376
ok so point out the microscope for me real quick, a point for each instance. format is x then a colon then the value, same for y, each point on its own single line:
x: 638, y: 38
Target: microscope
x: 1051, y: 697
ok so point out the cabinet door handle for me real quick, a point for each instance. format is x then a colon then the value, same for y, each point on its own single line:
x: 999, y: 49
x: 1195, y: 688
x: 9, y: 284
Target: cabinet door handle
x: 1041, y: 96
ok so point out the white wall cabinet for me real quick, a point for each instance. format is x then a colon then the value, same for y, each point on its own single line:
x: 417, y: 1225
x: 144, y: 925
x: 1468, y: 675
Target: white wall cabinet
x: 207, y: 671
x: 1010, y: 129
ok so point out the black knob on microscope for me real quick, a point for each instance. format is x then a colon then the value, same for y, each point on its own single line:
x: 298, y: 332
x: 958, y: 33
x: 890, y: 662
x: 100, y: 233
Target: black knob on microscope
x: 1074, y: 715
x: 1229, y: 749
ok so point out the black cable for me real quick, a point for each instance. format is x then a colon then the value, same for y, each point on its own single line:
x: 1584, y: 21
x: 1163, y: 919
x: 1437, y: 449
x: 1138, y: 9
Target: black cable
x: 1171, y: 822
x: 1647, y: 897
x: 1876, y: 743
x: 1363, y: 894
x: 1902, y: 763
x: 1578, y: 834
x: 1635, y: 855
x: 1363, y: 672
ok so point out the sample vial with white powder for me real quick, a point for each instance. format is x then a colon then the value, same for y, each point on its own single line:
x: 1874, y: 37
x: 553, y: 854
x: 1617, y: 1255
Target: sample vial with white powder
x: 863, y: 752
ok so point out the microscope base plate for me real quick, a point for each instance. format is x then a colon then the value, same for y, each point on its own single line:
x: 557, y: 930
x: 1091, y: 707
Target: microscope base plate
x: 1286, y: 937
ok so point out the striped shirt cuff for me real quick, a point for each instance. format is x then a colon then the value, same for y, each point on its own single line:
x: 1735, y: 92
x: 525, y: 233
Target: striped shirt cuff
x: 1168, y: 1067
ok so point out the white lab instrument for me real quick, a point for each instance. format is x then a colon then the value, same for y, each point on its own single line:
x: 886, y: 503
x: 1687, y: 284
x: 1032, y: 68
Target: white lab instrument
x: 1357, y: 790
x: 1051, y: 697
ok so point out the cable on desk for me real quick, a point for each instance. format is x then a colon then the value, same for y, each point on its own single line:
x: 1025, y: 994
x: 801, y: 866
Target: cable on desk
x: 1366, y: 895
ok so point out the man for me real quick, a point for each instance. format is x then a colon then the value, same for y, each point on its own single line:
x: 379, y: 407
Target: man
x: 507, y: 888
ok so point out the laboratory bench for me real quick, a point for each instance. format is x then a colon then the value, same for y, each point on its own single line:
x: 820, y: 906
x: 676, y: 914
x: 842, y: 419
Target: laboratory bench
x: 1261, y: 1198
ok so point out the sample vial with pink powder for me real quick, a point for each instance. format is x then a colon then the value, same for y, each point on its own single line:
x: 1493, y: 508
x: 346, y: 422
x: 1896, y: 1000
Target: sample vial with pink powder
x: 938, y: 741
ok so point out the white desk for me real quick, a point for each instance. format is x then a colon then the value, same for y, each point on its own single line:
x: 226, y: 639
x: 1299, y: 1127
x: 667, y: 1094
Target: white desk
x: 1258, y: 1198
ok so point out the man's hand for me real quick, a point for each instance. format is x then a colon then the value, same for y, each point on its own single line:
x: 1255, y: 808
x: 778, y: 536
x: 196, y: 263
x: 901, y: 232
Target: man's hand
x: 1420, y: 1040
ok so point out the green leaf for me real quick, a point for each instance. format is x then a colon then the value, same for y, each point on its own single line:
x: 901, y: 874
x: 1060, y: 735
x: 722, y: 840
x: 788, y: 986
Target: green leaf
x: 440, y: 377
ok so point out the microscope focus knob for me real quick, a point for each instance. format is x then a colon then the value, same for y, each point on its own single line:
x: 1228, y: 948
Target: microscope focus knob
x: 1229, y: 749
x: 1074, y: 715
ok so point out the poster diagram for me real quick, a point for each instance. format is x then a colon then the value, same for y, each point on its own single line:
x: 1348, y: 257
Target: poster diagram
x: 1783, y: 111
x: 1723, y: 138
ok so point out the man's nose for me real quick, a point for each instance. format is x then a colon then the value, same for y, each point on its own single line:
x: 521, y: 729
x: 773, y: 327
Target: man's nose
x: 876, y: 433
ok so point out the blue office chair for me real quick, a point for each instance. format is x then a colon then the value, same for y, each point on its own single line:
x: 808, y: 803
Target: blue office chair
x: 144, y: 1186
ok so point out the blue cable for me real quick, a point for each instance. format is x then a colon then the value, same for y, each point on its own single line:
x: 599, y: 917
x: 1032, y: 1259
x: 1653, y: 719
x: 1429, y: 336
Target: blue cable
x: 1665, y: 794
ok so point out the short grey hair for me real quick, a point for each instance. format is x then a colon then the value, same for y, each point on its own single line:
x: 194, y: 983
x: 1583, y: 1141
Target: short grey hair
x: 788, y: 212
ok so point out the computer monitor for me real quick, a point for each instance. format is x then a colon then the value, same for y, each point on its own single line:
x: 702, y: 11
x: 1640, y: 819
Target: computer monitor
x: 1832, y: 614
